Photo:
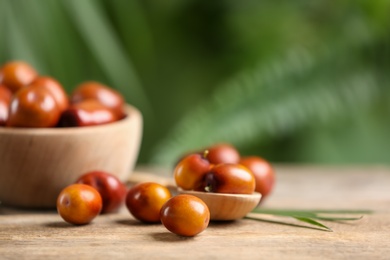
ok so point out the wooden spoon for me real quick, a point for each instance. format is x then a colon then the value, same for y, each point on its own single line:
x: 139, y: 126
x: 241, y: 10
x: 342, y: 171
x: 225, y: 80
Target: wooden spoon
x: 225, y: 206
x: 222, y: 206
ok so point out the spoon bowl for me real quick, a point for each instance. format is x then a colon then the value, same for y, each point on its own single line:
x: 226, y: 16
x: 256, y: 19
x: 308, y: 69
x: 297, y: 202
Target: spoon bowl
x: 224, y: 206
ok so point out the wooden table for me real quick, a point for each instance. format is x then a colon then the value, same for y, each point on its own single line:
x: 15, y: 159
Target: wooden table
x: 39, y: 235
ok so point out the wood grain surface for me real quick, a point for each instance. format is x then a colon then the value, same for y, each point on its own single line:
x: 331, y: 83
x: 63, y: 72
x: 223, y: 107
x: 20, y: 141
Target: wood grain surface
x: 43, y: 234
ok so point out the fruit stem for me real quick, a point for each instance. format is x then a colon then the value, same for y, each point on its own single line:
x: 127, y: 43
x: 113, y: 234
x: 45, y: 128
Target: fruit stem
x: 205, y: 154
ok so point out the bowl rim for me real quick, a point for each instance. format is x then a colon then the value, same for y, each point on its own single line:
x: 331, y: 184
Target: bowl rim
x: 132, y: 113
x: 223, y: 195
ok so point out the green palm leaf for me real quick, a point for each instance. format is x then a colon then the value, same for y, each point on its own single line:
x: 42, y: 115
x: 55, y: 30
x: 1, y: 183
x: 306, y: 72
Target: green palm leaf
x: 307, y: 216
x: 313, y: 222
x: 17, y: 44
x: 271, y: 101
x: 106, y: 48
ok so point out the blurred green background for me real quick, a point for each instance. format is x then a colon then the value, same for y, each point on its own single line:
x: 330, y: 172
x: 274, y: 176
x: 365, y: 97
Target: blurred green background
x: 292, y: 81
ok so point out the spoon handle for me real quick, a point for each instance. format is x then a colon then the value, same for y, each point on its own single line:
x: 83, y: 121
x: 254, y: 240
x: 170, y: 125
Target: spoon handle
x: 141, y: 176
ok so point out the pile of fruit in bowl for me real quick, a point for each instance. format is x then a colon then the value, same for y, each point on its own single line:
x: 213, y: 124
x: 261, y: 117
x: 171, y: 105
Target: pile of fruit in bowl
x: 48, y: 137
x: 28, y: 99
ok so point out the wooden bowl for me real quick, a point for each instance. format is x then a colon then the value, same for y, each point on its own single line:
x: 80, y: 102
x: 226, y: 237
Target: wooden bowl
x: 36, y: 164
x: 225, y: 206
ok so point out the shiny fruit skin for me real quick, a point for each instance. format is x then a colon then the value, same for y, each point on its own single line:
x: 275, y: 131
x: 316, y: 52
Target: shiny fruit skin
x: 16, y: 75
x: 223, y: 153
x: 55, y: 89
x: 79, y: 204
x: 5, y: 100
x: 87, y: 113
x: 110, y: 188
x: 185, y: 215
x: 229, y: 178
x: 144, y: 201
x: 263, y: 172
x: 189, y: 172
x: 33, y: 107
x: 102, y: 93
